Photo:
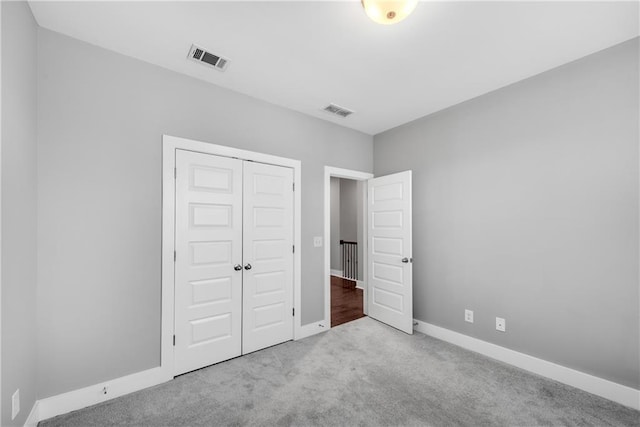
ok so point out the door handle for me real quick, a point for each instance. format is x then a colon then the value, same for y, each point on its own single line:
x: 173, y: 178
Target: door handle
x: 237, y: 267
x: 247, y: 267
x: 406, y: 260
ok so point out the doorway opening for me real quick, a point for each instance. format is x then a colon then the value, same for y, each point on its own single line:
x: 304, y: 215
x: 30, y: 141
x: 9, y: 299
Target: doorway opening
x: 347, y: 300
x: 387, y: 280
x: 346, y: 251
x: 345, y: 247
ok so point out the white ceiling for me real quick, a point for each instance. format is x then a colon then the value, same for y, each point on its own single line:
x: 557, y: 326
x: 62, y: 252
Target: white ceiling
x: 303, y: 55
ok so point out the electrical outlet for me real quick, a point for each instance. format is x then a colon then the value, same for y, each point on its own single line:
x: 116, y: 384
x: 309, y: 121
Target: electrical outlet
x: 317, y: 242
x: 15, y: 404
x: 501, y: 324
x: 468, y: 316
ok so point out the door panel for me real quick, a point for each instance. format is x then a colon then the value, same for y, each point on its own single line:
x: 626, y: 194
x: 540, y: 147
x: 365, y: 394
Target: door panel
x: 208, y: 291
x: 390, y: 279
x: 268, y: 248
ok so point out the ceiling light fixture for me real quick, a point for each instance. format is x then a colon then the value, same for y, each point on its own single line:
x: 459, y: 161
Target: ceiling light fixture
x: 388, y: 12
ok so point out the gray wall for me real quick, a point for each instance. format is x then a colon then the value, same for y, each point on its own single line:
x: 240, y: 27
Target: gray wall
x: 334, y: 201
x: 349, y: 223
x: 525, y: 206
x: 102, y: 116
x: 345, y: 200
x: 19, y: 198
x: 348, y: 210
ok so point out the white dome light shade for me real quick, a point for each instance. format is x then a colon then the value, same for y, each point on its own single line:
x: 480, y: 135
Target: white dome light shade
x: 388, y: 12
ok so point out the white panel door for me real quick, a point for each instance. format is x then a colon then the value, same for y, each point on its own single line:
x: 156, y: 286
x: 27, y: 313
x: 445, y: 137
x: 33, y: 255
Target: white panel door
x: 208, y: 290
x: 268, y: 256
x: 389, y: 244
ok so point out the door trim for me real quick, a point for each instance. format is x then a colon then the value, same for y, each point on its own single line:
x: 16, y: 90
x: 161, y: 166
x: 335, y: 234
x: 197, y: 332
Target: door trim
x: 357, y: 176
x: 169, y: 145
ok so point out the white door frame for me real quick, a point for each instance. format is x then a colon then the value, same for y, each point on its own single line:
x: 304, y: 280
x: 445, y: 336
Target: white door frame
x: 169, y: 145
x: 1, y: 214
x: 330, y: 172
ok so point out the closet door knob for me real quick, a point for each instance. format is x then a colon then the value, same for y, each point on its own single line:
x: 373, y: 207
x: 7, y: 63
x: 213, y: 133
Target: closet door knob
x: 247, y: 267
x: 237, y: 267
x: 405, y: 260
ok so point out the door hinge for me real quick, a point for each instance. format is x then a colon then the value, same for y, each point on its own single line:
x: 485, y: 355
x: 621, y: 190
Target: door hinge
x: 294, y: 248
x: 174, y: 340
x: 174, y: 256
x: 294, y: 186
x: 293, y: 311
x: 175, y: 172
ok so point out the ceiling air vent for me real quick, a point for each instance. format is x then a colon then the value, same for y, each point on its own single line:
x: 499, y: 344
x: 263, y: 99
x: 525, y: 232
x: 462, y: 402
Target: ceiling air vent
x: 198, y: 54
x: 337, y: 110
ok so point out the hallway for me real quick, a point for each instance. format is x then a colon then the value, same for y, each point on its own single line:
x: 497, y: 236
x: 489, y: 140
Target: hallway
x: 346, y: 301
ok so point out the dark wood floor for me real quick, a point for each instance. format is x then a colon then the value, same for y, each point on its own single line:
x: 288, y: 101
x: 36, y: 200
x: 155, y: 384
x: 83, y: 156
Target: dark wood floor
x: 346, y: 301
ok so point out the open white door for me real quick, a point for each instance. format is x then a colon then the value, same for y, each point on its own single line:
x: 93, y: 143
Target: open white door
x: 208, y: 290
x: 390, y: 270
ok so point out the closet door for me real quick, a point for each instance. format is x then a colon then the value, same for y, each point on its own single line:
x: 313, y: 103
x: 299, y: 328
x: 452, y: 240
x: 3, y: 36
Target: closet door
x: 268, y: 256
x: 208, y: 289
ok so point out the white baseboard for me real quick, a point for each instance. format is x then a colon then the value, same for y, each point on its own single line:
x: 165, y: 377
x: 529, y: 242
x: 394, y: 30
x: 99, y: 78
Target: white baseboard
x: 34, y: 417
x: 599, y: 386
x: 81, y: 398
x: 340, y: 273
x: 312, y: 329
x: 87, y: 396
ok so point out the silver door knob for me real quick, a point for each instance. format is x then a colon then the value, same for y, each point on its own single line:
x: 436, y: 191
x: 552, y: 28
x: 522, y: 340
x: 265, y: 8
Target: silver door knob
x: 247, y: 267
x: 237, y: 267
x: 405, y: 260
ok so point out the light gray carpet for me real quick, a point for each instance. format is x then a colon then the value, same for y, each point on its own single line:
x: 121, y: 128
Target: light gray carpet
x: 361, y: 373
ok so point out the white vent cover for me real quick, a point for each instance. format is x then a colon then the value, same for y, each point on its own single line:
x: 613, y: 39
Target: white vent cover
x: 337, y: 110
x: 199, y: 54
